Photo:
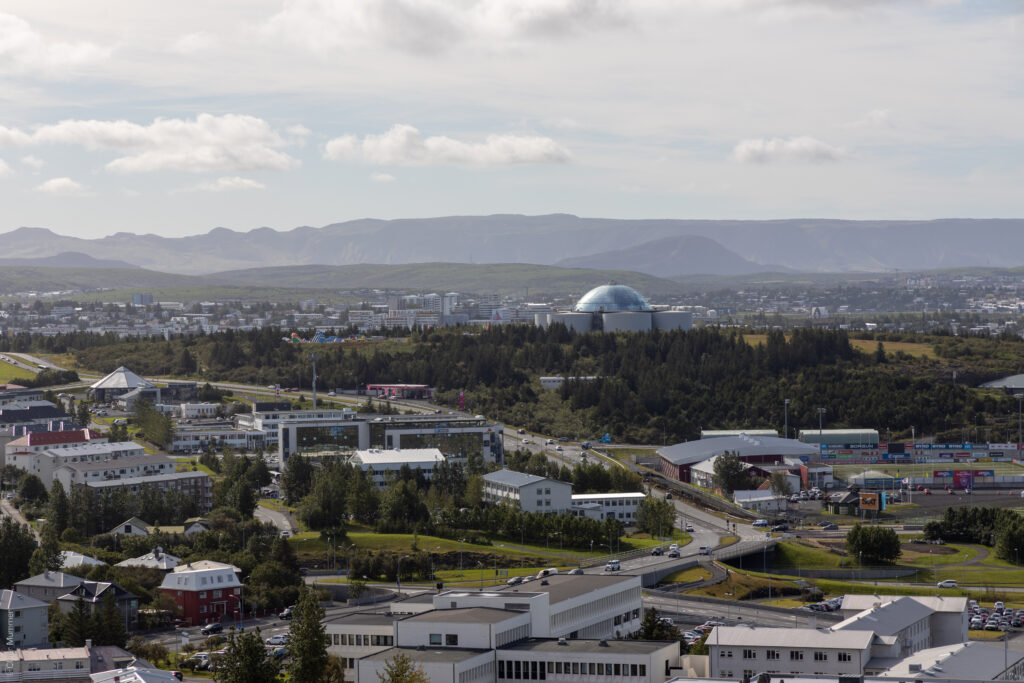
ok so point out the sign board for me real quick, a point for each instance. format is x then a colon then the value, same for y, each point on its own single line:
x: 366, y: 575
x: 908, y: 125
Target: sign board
x: 871, y: 501
x: 962, y: 478
x: 942, y: 473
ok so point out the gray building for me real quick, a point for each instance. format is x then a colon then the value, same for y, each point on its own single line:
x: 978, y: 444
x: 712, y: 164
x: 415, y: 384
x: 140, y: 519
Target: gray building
x: 23, y: 621
x: 48, y: 586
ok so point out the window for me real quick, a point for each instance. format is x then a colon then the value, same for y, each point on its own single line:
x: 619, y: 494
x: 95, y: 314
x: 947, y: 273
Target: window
x: 575, y: 667
x: 618, y: 670
x: 844, y: 657
x: 216, y: 594
x: 359, y: 640
x: 643, y: 669
x: 501, y: 668
x: 600, y: 668
x: 772, y: 654
x: 749, y: 654
x: 551, y: 667
x: 202, y: 595
x: 632, y: 669
x: 533, y: 671
x: 435, y: 638
x: 519, y: 669
x: 796, y: 655
x: 820, y: 656
x: 453, y: 639
x: 202, y: 609
x: 336, y: 639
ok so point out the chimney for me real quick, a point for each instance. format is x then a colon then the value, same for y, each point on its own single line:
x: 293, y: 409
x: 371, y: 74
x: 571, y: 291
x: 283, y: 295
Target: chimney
x: 88, y: 643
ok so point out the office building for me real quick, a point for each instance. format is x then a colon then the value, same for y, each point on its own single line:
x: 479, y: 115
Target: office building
x: 528, y: 492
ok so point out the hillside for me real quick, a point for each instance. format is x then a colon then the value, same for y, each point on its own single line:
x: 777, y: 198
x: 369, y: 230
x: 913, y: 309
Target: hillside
x: 670, y: 257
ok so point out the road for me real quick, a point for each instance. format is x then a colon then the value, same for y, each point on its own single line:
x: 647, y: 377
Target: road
x: 10, y: 511
x: 22, y: 362
x: 281, y: 520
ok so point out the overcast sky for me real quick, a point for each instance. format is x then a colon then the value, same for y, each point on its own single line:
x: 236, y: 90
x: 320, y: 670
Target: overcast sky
x: 174, y: 118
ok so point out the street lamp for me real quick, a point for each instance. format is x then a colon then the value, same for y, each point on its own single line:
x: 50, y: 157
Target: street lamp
x: 348, y: 559
x: 461, y: 541
x: 785, y: 403
x: 398, y: 576
x: 821, y: 412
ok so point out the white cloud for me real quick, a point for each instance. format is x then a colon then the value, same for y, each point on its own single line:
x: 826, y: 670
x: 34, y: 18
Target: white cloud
x: 194, y: 43
x: 23, y: 51
x: 62, y: 186
x: 382, y: 178
x: 4, y: 168
x: 229, y: 183
x: 803, y: 148
x: 876, y: 118
x: 434, y: 25
x: 207, y: 143
x: 404, y: 145
x: 32, y: 162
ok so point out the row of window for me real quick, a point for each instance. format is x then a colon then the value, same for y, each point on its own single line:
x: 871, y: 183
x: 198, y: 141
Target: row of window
x: 534, y: 671
x: 794, y: 655
x: 360, y: 640
x: 450, y: 639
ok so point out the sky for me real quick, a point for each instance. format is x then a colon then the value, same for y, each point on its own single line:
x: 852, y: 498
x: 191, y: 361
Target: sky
x: 173, y: 119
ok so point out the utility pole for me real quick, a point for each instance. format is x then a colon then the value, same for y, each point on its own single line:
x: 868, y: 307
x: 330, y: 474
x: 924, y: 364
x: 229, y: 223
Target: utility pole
x: 1020, y: 399
x: 821, y: 412
x: 785, y: 434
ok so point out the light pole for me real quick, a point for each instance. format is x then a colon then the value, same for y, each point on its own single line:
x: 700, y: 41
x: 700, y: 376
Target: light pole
x: 1020, y: 400
x: 398, y: 576
x: 785, y: 403
x: 461, y: 540
x: 821, y: 412
x: 348, y: 559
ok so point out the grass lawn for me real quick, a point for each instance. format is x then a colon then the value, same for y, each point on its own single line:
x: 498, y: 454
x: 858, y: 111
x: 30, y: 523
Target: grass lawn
x: 729, y: 540
x: 963, y: 553
x: 12, y: 373
x: 186, y: 464
x: 926, y: 469
x: 687, y: 575
x: 276, y: 504
x: 789, y: 603
x: 979, y: 634
x: 866, y: 346
x: 981, y: 577
x: 797, y: 554
x: 740, y: 585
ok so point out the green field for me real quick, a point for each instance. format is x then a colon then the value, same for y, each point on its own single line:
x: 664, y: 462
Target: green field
x: 926, y: 469
x: 12, y: 373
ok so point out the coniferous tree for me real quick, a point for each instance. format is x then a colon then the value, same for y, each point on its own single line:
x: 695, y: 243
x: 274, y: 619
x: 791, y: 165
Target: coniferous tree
x: 307, y: 641
x: 77, y: 626
x: 247, y: 660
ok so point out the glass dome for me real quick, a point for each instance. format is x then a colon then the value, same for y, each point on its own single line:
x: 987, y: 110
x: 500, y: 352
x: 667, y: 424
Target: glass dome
x: 612, y: 297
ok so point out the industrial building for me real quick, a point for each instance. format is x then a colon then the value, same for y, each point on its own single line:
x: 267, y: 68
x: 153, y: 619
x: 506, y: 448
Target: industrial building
x: 866, y: 438
x: 678, y: 460
x: 616, y: 308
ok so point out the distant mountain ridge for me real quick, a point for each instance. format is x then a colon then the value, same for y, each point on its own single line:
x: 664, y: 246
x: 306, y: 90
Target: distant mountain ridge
x: 67, y: 259
x: 816, y: 245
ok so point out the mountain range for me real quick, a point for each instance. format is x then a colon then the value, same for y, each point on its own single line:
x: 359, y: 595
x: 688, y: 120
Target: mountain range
x: 663, y: 248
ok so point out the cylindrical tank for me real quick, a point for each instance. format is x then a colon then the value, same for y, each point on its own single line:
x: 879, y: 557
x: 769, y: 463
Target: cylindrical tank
x: 627, y: 321
x: 541, y: 319
x: 576, y: 322
x: 673, y: 320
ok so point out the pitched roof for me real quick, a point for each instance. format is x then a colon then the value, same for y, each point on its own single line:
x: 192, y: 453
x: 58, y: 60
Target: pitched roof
x: 512, y: 478
x: 734, y: 636
x: 692, y: 452
x: 122, y: 378
x: 55, y: 438
x: 887, y: 619
x: 14, y: 600
x: 936, y: 603
x: 51, y: 580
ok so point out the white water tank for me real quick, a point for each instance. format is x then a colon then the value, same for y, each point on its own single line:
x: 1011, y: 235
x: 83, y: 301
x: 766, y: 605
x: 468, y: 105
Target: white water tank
x: 673, y: 320
x: 627, y: 321
x: 576, y: 322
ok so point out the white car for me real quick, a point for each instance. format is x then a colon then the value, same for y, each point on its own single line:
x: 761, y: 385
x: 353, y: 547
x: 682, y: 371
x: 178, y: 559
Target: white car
x: 689, y: 528
x: 279, y: 639
x: 948, y: 583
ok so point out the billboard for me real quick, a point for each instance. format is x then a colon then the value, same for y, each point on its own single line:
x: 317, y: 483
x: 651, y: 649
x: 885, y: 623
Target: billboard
x: 872, y: 501
x: 963, y: 479
x: 942, y: 473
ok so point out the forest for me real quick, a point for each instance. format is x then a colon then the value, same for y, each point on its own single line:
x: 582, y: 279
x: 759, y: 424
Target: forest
x: 654, y: 387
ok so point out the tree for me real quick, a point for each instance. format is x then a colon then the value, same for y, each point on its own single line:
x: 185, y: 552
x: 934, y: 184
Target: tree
x: 730, y: 472
x: 307, y: 639
x: 58, y: 515
x: 16, y: 547
x: 31, y: 488
x: 656, y: 516
x: 402, y: 669
x: 335, y: 671
x: 780, y: 484
x: 247, y: 660
x: 47, y: 556
x: 109, y: 627
x: 77, y: 625
x: 82, y: 415
x: 653, y: 628
x: 873, y: 544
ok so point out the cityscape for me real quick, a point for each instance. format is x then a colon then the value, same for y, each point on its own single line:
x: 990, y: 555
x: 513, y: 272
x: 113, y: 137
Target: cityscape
x: 480, y: 341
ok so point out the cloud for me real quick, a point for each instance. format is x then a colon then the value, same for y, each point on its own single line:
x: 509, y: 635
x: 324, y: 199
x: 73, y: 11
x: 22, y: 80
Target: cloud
x: 382, y: 178
x: 403, y: 145
x: 876, y: 118
x: 229, y: 183
x: 194, y: 43
x: 803, y: 148
x: 62, y: 186
x: 4, y: 168
x: 32, y: 162
x: 205, y: 144
x: 23, y: 51
x: 428, y: 26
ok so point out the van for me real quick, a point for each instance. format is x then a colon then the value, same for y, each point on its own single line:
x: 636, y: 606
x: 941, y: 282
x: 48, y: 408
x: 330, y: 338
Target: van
x: 612, y: 566
x: 760, y: 523
x: 547, y: 572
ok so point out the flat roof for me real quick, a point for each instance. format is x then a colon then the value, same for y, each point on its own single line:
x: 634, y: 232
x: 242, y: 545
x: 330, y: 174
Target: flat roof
x: 367, y: 619
x: 738, y: 636
x: 936, y: 603
x: 467, y: 615
x: 447, y: 654
x: 566, y: 586
x: 971, y: 660
x: 405, y: 455
x: 114, y: 463
x: 608, y: 647
x: 609, y: 496
x: 128, y: 481
x: 512, y: 478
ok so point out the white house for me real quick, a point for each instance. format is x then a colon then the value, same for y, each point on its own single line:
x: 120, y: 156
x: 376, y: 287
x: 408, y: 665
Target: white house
x: 761, y: 501
x: 527, y: 491
x: 620, y: 506
x: 381, y: 465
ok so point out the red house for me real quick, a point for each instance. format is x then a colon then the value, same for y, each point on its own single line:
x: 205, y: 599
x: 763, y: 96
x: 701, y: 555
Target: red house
x: 204, y: 591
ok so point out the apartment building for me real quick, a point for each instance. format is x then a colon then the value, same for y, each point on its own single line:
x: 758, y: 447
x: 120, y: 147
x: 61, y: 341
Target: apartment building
x: 45, y: 463
x: 529, y: 492
x: 23, y: 621
x: 382, y: 466
x: 72, y: 473
x: 620, y: 506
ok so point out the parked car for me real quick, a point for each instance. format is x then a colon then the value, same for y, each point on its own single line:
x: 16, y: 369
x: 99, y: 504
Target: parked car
x: 211, y: 629
x: 279, y: 639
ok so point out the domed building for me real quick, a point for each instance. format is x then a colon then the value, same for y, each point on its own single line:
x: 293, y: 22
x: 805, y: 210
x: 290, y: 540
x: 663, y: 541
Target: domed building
x: 616, y: 308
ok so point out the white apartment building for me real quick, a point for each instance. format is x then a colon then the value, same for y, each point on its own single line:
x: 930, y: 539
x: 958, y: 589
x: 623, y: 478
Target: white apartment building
x: 382, y: 465
x: 133, y: 466
x: 351, y: 637
x: 588, y: 661
x: 45, y: 463
x: 192, y: 411
x: 23, y: 621
x: 901, y: 627
x: 527, y: 491
x: 948, y: 622
x: 738, y: 651
x: 620, y: 506
x: 582, y: 606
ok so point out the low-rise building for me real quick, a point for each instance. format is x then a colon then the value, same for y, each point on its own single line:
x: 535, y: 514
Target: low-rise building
x: 48, y: 586
x: 44, y: 464
x: 204, y: 591
x: 620, y: 506
x: 197, y: 485
x: 738, y: 651
x: 528, y: 492
x: 23, y: 621
x: 351, y: 637
x: 37, y: 442
x: 678, y: 460
x: 382, y: 466
x: 154, y: 559
x: 762, y: 501
x: 55, y: 665
x: 587, y: 660
x: 93, y: 593
x: 948, y: 621
x: 137, y: 465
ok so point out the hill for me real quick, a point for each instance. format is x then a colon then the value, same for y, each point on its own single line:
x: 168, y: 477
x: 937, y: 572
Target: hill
x: 67, y: 259
x: 670, y: 257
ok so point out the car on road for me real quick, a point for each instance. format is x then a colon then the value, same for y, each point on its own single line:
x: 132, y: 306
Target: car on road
x: 177, y: 674
x: 760, y: 523
x: 575, y: 572
x: 657, y: 551
x: 514, y: 581
x: 211, y: 629
x: 673, y: 553
x: 550, y: 442
x: 780, y: 527
x: 667, y: 621
x: 688, y: 528
x: 927, y: 492
x: 559, y: 448
x: 705, y: 550
x: 520, y: 431
x: 828, y: 526
x: 286, y: 613
x: 948, y: 583
x: 279, y: 639
x: 612, y: 566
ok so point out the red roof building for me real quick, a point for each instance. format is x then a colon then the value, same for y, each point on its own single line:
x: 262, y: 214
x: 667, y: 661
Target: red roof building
x: 37, y: 442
